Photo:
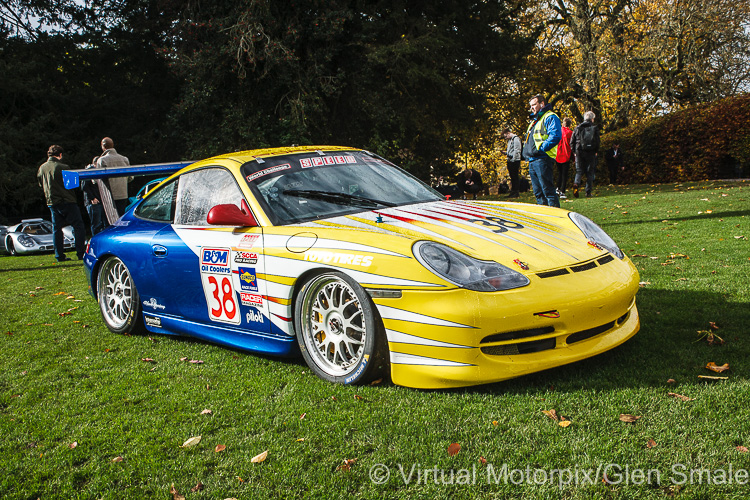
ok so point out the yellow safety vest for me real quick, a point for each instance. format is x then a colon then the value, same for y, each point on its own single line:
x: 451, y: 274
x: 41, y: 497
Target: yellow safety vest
x: 540, y: 134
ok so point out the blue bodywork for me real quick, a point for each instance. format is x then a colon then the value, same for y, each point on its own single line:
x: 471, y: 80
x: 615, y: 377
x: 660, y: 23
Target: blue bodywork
x: 170, y: 290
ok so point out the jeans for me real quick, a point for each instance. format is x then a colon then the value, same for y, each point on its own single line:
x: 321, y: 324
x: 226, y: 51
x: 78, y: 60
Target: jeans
x: 541, y: 171
x: 97, y: 217
x: 562, y: 177
x: 586, y: 164
x: 67, y: 214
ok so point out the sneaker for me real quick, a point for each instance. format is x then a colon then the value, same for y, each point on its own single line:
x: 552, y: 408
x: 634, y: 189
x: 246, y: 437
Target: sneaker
x: 562, y: 196
x: 589, y: 195
x: 575, y: 190
x: 513, y: 194
x: 63, y: 259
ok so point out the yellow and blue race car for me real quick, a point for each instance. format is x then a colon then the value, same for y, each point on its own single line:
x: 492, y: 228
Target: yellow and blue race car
x: 338, y: 254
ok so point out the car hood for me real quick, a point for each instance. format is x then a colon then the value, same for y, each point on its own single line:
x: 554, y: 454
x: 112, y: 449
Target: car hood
x: 538, y: 237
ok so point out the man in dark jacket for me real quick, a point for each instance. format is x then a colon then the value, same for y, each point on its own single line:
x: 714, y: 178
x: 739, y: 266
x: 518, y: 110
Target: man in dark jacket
x: 470, y: 181
x: 613, y: 157
x: 585, y: 144
x: 61, y: 202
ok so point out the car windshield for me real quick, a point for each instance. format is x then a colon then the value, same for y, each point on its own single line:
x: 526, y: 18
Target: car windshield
x: 314, y: 185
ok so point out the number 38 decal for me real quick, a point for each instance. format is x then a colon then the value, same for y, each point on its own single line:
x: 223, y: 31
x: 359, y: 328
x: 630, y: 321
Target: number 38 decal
x: 497, y: 224
x: 220, y: 297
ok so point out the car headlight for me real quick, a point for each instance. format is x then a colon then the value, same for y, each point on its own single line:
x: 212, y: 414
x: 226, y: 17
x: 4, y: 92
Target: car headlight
x: 26, y: 241
x: 467, y: 272
x: 595, y: 234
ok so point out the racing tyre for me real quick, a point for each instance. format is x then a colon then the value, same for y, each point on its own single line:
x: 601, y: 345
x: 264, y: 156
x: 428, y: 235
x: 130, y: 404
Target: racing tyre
x: 10, y: 247
x: 339, y: 331
x: 118, y: 298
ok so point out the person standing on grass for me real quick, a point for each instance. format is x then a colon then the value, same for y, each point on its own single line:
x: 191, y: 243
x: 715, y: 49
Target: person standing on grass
x: 613, y: 157
x: 540, y: 150
x: 62, y: 203
x: 514, y: 161
x: 585, y: 144
x: 118, y: 186
x: 92, y: 200
x: 563, y: 158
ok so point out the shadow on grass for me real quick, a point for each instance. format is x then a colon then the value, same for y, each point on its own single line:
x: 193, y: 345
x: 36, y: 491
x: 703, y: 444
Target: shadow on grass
x: 667, y: 347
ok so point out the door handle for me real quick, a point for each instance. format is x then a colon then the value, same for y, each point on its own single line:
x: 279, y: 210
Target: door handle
x: 159, y: 250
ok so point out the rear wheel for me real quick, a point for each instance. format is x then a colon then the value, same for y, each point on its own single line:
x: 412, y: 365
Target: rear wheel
x: 118, y: 297
x: 338, y: 329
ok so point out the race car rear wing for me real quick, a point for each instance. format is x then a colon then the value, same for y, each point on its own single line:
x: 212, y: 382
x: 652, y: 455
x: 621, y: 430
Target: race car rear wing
x: 72, y: 178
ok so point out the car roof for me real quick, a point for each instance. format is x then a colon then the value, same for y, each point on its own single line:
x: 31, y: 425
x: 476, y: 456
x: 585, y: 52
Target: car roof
x: 251, y: 154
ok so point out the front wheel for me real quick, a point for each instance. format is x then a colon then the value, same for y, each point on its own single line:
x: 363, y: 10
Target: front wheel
x: 339, y: 332
x: 118, y: 298
x: 11, y: 248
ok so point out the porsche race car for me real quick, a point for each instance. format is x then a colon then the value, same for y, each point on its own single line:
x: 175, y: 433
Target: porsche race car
x: 339, y: 255
x: 32, y: 236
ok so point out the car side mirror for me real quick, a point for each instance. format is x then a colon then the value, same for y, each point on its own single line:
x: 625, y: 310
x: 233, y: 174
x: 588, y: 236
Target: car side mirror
x: 231, y: 215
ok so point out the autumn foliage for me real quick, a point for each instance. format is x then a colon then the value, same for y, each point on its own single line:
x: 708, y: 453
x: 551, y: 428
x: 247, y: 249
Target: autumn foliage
x: 707, y: 141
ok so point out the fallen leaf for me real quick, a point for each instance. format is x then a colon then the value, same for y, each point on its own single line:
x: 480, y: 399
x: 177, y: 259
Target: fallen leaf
x: 712, y: 325
x: 718, y: 369
x: 680, y: 396
x: 175, y: 495
x: 709, y: 377
x: 564, y: 423
x: 148, y: 360
x: 183, y: 359
x: 219, y: 448
x: 482, y: 460
x: 359, y: 398
x: 59, y: 293
x: 117, y: 459
x: 300, y: 440
x: 643, y: 283
x: 197, y: 487
x: 494, y: 422
x: 191, y: 442
x: 651, y: 443
x: 206, y: 412
x: 196, y: 361
x: 347, y: 465
x: 742, y: 449
x: 376, y: 382
x: 551, y: 414
x: 453, y: 449
x: 72, y: 445
x: 629, y: 418
x: 671, y: 381
x: 301, y: 417
x: 260, y: 457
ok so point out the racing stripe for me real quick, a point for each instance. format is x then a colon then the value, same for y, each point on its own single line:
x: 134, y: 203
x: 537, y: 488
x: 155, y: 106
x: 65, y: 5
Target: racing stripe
x: 405, y: 338
x: 388, y: 312
x: 411, y: 359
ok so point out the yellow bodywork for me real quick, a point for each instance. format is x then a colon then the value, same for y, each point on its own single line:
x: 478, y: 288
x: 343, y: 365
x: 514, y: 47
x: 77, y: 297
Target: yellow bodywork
x: 580, y: 300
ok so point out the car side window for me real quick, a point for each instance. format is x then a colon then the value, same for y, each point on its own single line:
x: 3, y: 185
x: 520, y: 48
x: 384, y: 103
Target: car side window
x: 160, y: 205
x: 201, y: 190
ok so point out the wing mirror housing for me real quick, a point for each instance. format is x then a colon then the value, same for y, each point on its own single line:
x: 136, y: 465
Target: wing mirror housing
x: 231, y: 215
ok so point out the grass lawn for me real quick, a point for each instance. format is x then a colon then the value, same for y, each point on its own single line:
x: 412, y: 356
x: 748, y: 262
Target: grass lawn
x: 82, y: 415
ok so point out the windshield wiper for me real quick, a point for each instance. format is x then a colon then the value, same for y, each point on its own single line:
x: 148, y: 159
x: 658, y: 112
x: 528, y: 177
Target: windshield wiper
x: 340, y: 198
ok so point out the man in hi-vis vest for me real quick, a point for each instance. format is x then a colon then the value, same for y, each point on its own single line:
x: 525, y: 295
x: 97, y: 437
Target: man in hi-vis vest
x: 540, y: 150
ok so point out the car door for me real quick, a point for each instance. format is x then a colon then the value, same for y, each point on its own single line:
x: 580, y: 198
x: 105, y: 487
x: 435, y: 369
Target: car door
x: 210, y: 273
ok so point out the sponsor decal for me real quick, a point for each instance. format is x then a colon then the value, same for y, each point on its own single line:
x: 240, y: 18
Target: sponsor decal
x: 121, y: 223
x: 152, y: 321
x: 215, y: 260
x: 220, y: 298
x: 596, y: 245
x: 351, y: 378
x: 318, y: 161
x: 266, y: 171
x: 254, y: 316
x: 339, y: 258
x: 521, y: 264
x: 248, y: 241
x: 245, y: 257
x: 250, y: 299
x: 248, y: 281
x: 153, y: 303
x: 497, y: 224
